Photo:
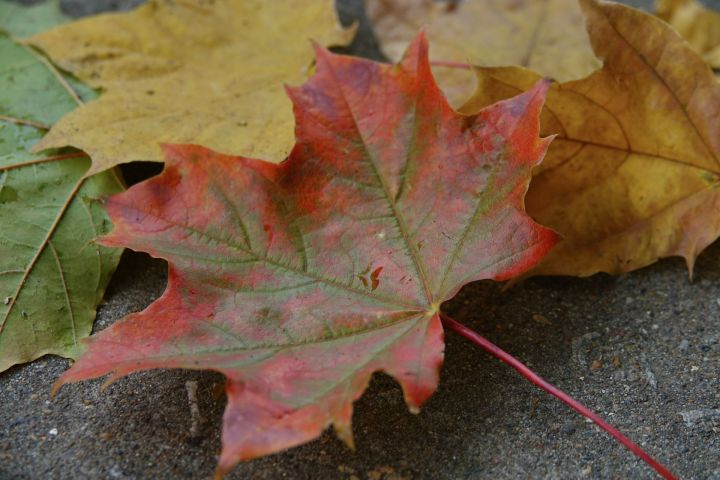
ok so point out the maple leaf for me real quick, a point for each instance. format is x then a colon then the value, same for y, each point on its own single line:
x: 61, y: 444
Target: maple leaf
x: 698, y: 24
x: 51, y: 276
x: 634, y: 172
x: 188, y: 71
x: 299, y: 280
x: 547, y: 36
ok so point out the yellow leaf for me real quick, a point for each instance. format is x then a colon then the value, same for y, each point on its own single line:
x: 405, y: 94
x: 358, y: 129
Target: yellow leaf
x: 634, y: 172
x: 189, y: 71
x: 699, y: 25
x: 545, y: 35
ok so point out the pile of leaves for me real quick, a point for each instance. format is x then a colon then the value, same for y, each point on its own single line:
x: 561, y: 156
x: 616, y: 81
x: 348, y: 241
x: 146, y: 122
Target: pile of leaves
x: 317, y: 209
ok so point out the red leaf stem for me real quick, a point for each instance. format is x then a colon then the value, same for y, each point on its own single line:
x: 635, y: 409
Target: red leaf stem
x: 450, y: 64
x: 505, y: 357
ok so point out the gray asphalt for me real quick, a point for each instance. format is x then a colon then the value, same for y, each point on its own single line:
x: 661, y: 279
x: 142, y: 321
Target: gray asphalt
x: 641, y: 349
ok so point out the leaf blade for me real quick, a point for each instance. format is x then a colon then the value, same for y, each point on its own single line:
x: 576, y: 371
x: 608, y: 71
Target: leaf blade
x: 632, y: 176
x: 298, y: 281
x: 233, y: 106
x: 546, y: 36
x: 51, y: 278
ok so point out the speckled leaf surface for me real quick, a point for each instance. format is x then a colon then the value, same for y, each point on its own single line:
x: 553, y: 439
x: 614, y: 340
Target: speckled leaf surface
x: 51, y: 275
x: 299, y: 280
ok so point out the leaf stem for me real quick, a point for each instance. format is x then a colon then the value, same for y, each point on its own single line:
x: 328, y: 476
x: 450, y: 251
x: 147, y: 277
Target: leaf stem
x: 534, y: 378
x: 50, y: 158
x: 22, y: 121
x: 450, y: 64
x: 56, y: 73
x: 41, y: 248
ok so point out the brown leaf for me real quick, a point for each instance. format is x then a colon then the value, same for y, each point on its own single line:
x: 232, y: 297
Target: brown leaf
x: 633, y: 174
x: 699, y: 25
x: 545, y: 35
x: 188, y: 71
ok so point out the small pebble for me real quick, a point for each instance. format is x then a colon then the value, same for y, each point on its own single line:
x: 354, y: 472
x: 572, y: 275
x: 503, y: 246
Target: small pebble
x: 649, y: 374
x: 684, y: 345
x: 541, y: 319
x: 579, y: 346
x: 116, y: 472
x: 53, y: 431
x: 568, y: 429
x: 691, y: 417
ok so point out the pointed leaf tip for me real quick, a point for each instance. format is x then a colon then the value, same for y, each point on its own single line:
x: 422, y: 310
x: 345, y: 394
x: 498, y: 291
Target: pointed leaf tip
x: 56, y: 387
x: 320, y: 50
x: 416, y: 56
x: 537, y: 96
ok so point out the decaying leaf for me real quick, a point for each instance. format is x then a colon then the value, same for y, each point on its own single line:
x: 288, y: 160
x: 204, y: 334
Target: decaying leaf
x: 188, y: 71
x: 699, y: 25
x: 51, y: 276
x: 545, y: 35
x: 634, y: 172
x: 299, y: 280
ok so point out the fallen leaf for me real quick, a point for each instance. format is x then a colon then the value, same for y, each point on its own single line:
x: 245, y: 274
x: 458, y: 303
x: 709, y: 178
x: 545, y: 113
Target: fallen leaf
x: 22, y: 21
x: 299, y: 280
x: 545, y: 35
x: 699, y: 25
x: 634, y: 172
x: 188, y: 71
x: 51, y: 275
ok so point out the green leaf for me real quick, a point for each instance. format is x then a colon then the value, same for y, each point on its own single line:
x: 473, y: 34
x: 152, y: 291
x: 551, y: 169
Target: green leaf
x: 22, y: 22
x: 52, y: 274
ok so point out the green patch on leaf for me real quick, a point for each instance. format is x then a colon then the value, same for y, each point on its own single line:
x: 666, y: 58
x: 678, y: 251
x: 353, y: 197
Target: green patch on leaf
x: 52, y: 274
x: 22, y: 22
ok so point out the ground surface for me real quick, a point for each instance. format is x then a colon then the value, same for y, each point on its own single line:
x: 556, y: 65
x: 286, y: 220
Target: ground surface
x: 641, y: 349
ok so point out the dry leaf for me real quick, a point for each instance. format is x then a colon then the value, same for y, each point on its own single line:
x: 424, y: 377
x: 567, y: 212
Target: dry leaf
x: 634, y: 172
x: 547, y: 36
x: 699, y: 25
x: 189, y: 71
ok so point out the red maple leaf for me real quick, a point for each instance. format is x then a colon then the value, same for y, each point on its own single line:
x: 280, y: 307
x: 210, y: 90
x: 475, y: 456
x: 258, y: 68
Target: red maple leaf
x: 299, y: 280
